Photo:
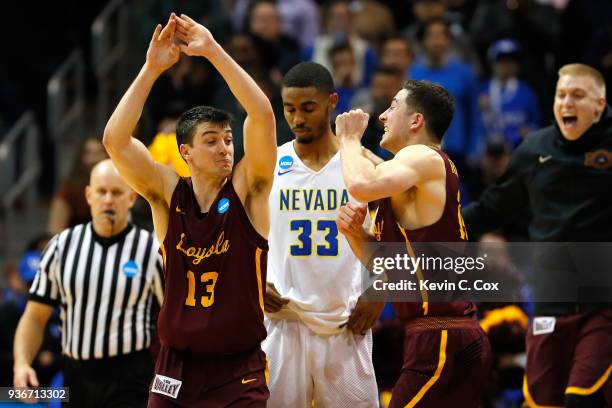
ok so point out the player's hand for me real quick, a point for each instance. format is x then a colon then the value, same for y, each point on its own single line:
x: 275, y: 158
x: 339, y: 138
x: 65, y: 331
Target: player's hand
x: 364, y: 316
x: 163, y: 52
x: 352, y: 124
x: 274, y: 301
x: 350, y: 219
x: 24, y: 376
x: 198, y: 40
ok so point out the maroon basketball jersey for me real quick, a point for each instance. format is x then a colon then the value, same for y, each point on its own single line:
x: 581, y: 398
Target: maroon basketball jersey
x: 215, y: 266
x: 449, y: 228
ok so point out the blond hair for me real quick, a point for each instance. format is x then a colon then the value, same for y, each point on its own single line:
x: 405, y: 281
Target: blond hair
x: 585, y: 70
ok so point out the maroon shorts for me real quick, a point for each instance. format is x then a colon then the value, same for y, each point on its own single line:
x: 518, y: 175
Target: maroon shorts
x: 568, y: 355
x: 187, y: 380
x: 446, y: 364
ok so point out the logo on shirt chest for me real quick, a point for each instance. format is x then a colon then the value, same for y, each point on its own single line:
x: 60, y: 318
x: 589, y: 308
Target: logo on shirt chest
x: 130, y: 269
x: 599, y: 159
x: 221, y: 246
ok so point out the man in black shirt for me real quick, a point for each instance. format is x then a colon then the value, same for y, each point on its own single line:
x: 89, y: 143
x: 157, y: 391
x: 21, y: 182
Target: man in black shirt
x: 563, y: 175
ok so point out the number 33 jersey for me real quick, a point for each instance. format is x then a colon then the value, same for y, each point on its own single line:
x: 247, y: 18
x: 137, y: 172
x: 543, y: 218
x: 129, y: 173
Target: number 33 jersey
x: 215, y: 266
x: 310, y: 262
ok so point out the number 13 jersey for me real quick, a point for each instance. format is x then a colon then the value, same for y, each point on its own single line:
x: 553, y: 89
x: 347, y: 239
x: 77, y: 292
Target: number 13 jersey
x: 215, y: 270
x: 310, y: 262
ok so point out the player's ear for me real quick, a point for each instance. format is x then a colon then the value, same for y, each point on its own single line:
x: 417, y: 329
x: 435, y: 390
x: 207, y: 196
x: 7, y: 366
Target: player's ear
x: 88, y: 193
x: 184, y: 150
x: 417, y: 121
x: 333, y: 100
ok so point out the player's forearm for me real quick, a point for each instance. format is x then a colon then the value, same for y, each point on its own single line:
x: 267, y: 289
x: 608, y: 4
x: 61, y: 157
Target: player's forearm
x: 27, y: 342
x: 357, y: 243
x: 243, y: 87
x: 123, y: 121
x: 357, y: 170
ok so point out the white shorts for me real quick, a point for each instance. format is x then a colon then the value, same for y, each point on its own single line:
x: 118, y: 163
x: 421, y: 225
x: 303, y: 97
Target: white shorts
x: 332, y: 371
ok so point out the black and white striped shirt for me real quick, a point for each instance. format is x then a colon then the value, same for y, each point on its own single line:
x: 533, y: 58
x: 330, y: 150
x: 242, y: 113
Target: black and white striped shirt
x: 105, y: 288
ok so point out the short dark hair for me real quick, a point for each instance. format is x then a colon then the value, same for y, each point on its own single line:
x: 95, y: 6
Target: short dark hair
x: 434, y: 102
x: 423, y: 27
x: 338, y: 48
x: 307, y: 74
x: 189, y: 120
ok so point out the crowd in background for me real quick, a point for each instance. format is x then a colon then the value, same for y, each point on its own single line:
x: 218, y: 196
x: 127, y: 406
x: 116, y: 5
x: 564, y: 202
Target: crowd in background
x: 498, y: 58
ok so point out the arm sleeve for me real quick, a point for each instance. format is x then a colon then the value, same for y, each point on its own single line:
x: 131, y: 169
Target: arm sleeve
x: 44, y: 289
x: 500, y: 200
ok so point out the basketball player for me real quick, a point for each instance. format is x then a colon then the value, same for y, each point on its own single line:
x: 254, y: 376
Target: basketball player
x: 213, y: 228
x: 313, y: 275
x: 446, y: 354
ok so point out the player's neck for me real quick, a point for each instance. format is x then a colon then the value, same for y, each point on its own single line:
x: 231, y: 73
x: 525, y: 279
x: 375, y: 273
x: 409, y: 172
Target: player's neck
x: 206, y: 188
x: 316, y: 154
x: 423, y: 138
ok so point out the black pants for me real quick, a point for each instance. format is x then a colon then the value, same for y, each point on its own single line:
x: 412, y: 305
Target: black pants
x: 117, y: 382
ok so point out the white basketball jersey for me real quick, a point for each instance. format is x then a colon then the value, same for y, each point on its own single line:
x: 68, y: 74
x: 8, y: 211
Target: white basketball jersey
x: 309, y: 261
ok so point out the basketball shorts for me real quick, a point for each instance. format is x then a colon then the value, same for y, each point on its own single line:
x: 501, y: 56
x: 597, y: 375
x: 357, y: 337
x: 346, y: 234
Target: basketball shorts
x: 192, y: 380
x: 569, y: 354
x: 446, y: 364
x: 327, y: 371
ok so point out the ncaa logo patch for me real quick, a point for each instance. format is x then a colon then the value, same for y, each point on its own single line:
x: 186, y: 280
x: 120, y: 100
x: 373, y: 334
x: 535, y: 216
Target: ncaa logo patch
x: 223, y: 205
x: 130, y: 269
x: 285, y: 162
x: 166, y: 386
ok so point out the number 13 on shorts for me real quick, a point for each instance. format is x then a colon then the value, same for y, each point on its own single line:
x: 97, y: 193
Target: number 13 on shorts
x: 303, y: 245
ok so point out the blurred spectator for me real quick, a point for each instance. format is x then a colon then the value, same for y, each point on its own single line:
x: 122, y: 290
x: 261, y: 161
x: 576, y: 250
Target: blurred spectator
x: 463, y: 136
x: 586, y: 36
x: 401, y: 11
x: 509, y: 108
x: 534, y: 25
x: 278, y: 52
x: 397, y: 52
x: 373, y: 21
x: 69, y: 207
x: 386, y: 82
x: 49, y: 360
x: 343, y: 63
x: 299, y: 19
x: 339, y: 29
x: 427, y: 10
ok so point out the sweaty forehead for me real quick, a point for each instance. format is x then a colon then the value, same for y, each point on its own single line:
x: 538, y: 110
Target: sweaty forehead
x: 299, y: 95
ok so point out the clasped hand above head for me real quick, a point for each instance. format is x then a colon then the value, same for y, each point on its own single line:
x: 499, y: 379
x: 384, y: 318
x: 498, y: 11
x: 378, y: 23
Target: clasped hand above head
x: 180, y: 34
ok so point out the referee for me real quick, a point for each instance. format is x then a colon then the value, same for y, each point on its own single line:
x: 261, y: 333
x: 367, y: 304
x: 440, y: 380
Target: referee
x: 105, y: 276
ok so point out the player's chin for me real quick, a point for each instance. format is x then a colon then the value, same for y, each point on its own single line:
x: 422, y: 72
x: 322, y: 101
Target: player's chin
x: 304, y: 138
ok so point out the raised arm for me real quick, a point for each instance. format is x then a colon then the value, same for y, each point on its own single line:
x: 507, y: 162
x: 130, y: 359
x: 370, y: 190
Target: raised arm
x: 259, y: 126
x: 369, y: 182
x: 133, y: 160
